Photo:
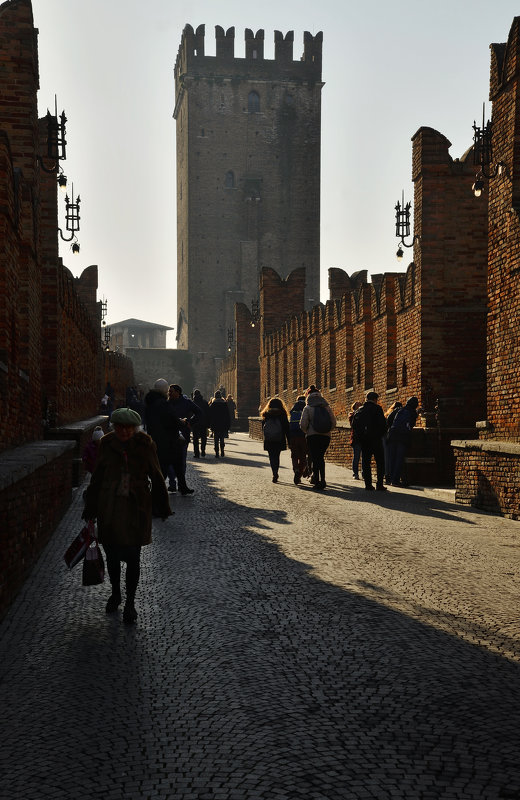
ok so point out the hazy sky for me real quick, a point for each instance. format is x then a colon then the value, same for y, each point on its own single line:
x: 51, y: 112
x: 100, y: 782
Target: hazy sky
x: 389, y: 68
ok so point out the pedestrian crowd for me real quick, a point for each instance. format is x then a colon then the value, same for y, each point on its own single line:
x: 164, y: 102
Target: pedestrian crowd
x: 306, y: 431
x: 143, y: 458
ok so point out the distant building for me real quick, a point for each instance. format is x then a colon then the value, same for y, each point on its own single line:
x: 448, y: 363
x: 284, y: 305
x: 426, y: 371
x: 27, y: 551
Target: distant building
x: 132, y: 333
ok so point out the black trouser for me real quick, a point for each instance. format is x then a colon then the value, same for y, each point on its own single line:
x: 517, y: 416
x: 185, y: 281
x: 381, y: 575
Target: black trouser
x: 218, y: 440
x: 203, y: 438
x: 176, y: 459
x: 369, y: 448
x: 132, y: 556
x: 318, y: 444
x: 273, y: 451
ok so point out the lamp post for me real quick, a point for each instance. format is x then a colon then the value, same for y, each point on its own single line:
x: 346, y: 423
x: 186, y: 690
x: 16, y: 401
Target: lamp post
x: 230, y: 338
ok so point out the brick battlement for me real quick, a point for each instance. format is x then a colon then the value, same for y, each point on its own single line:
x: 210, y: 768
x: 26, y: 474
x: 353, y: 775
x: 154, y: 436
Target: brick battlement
x: 191, y: 57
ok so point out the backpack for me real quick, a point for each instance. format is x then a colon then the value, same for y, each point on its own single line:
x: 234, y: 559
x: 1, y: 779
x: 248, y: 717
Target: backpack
x: 359, y: 424
x: 273, y: 431
x: 294, y: 422
x: 321, y: 421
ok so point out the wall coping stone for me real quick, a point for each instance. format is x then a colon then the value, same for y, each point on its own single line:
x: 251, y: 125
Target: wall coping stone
x: 72, y: 429
x: 24, y: 460
x: 487, y: 446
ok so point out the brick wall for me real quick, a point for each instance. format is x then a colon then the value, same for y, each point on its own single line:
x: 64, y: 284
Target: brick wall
x: 487, y: 472
x: 35, y: 490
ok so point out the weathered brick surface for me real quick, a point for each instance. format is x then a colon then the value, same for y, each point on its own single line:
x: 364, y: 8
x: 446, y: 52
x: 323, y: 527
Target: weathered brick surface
x: 487, y: 476
x: 419, y: 333
x: 248, y: 179
x: 52, y: 368
x: 35, y: 490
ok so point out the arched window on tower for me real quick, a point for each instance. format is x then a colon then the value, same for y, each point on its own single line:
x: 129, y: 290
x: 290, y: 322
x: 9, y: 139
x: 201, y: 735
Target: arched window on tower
x: 253, y: 102
x: 229, y: 181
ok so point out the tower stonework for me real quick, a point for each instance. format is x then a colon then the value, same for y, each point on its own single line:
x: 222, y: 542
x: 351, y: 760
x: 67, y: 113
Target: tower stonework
x: 248, y: 179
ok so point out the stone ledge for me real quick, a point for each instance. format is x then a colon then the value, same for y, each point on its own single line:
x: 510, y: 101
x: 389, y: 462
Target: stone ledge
x: 75, y: 429
x: 487, y: 446
x: 24, y: 460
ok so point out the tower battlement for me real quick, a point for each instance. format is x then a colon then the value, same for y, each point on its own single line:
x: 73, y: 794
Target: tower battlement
x: 192, y: 59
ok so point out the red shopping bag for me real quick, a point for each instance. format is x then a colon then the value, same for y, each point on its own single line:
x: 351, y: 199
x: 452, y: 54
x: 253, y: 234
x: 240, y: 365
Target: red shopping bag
x: 78, y: 548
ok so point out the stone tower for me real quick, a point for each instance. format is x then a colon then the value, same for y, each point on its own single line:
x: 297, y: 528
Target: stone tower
x: 248, y: 179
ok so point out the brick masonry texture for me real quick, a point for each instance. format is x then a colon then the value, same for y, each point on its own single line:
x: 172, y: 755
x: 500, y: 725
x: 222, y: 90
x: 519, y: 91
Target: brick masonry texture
x: 248, y: 179
x: 421, y: 333
x: 52, y: 368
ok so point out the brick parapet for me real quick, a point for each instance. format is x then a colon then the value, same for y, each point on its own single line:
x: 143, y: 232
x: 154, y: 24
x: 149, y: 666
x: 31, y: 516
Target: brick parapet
x: 35, y: 490
x: 487, y: 475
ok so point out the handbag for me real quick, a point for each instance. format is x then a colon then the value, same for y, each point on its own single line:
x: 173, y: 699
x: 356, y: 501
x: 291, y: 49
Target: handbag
x: 93, y: 565
x: 78, y: 548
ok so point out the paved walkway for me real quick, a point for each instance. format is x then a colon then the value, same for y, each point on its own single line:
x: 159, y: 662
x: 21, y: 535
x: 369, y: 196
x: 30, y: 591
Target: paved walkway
x: 290, y: 644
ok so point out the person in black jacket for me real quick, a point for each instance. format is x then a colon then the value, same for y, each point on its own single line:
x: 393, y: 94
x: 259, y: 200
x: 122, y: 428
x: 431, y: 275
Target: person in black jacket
x: 276, y: 432
x: 163, y: 425
x: 199, y: 428
x: 400, y: 439
x: 369, y: 426
x: 219, y: 422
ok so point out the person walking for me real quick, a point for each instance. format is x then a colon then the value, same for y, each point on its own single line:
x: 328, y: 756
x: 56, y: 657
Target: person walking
x: 188, y: 413
x: 275, y: 432
x: 400, y: 439
x: 356, y: 446
x: 219, y: 422
x: 390, y: 415
x: 232, y: 411
x: 297, y: 440
x: 317, y: 422
x: 369, y: 426
x: 126, y: 477
x: 164, y: 426
x: 199, y: 427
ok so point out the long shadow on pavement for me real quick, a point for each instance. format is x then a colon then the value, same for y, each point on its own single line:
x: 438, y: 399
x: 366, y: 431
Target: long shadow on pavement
x: 246, y: 677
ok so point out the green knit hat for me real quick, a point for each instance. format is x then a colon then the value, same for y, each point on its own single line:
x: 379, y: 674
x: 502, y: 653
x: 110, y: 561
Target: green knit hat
x: 125, y: 416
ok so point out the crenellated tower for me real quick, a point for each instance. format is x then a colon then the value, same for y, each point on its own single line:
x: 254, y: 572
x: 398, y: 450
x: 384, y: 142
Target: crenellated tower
x: 248, y: 178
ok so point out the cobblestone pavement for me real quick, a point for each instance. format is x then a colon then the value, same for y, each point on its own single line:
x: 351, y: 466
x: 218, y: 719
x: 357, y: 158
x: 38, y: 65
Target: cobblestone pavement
x: 290, y: 644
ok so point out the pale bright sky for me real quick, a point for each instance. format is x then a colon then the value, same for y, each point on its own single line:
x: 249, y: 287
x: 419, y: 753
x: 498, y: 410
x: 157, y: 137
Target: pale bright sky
x: 389, y: 68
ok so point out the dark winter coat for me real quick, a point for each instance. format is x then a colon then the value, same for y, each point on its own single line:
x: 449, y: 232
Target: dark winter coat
x: 295, y: 416
x: 374, y: 421
x: 162, y: 424
x: 280, y: 413
x: 126, y: 520
x: 200, y: 425
x: 219, y: 415
x: 402, y: 425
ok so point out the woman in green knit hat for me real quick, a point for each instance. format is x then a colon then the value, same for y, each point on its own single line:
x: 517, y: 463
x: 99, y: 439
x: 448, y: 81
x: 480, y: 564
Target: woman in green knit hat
x: 126, y: 482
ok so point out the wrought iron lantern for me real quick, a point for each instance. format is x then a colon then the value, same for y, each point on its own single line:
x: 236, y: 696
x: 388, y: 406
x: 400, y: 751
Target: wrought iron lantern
x: 402, y: 226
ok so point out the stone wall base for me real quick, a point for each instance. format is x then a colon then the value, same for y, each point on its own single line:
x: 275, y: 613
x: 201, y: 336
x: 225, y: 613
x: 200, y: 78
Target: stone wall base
x: 35, y: 492
x: 487, y: 476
